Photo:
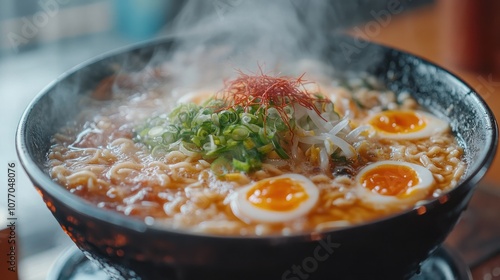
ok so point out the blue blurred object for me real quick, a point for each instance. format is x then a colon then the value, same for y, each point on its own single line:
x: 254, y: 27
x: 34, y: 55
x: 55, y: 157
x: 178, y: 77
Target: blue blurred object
x: 141, y: 19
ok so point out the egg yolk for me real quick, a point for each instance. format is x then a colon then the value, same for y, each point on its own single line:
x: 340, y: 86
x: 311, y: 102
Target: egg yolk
x: 398, y: 122
x: 390, y: 179
x: 282, y: 194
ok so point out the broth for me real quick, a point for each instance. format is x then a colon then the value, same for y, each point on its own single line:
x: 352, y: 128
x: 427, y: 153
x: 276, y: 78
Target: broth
x: 101, y: 158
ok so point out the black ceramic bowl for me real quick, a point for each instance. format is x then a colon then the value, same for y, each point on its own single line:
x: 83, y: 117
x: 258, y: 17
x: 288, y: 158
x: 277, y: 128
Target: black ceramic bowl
x: 391, y: 248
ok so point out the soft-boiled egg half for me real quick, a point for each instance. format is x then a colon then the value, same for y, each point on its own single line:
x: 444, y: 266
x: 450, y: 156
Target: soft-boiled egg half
x: 393, y: 183
x: 194, y: 96
x: 274, y: 200
x: 406, y: 124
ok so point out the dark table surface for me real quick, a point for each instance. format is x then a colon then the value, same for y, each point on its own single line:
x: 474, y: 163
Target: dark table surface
x: 476, y: 238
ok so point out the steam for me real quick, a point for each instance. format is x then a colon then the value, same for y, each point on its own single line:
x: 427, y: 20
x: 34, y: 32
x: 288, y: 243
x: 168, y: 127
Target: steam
x: 213, y: 38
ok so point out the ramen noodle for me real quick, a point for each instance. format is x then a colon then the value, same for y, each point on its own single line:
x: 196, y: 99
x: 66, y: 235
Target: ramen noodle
x: 264, y: 155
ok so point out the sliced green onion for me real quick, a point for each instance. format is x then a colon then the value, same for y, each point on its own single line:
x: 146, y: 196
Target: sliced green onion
x: 183, y: 117
x: 266, y: 148
x: 169, y: 137
x: 248, y: 118
x: 279, y: 150
x: 232, y: 143
x: 155, y: 131
x: 159, y: 151
x: 273, y: 114
x: 216, y: 152
x: 289, y: 111
x: 200, y: 119
x: 213, y: 146
x: 249, y: 144
x: 202, y: 132
x: 227, y: 117
x: 253, y: 127
x: 240, y: 133
x: 221, y: 166
x: 215, y: 119
x: 189, y: 149
x: 267, y: 133
x: 197, y: 141
x: 240, y: 165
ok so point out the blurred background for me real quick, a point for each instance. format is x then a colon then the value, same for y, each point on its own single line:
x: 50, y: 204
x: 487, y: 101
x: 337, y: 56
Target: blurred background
x: 41, y: 39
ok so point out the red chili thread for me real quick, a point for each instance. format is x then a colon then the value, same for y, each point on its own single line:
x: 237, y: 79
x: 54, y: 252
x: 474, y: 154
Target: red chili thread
x: 267, y: 91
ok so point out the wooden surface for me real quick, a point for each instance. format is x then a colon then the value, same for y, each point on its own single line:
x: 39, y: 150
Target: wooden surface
x: 425, y: 32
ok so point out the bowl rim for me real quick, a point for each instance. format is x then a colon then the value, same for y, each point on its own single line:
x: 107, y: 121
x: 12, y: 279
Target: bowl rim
x: 42, y: 180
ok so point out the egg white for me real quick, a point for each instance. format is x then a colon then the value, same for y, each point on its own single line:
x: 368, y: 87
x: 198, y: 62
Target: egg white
x: 249, y: 213
x: 411, y: 196
x: 433, y: 125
